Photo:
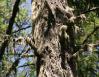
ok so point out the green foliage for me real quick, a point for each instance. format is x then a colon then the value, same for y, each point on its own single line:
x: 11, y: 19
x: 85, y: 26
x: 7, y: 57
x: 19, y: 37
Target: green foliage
x: 11, y: 54
x: 87, y: 65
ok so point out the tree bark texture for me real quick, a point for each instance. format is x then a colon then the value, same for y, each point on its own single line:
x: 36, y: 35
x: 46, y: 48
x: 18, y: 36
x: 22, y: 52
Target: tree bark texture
x: 53, y: 37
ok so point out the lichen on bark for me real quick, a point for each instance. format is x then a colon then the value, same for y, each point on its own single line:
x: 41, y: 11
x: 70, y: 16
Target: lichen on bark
x: 54, y: 45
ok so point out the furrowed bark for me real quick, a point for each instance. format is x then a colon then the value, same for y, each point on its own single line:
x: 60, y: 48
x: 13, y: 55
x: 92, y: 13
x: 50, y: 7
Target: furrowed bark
x: 53, y: 38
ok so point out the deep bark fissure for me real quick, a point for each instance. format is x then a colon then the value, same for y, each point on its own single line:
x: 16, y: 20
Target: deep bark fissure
x: 50, y: 21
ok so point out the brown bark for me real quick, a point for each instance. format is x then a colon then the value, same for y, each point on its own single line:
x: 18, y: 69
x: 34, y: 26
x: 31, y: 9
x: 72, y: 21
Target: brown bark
x: 53, y: 37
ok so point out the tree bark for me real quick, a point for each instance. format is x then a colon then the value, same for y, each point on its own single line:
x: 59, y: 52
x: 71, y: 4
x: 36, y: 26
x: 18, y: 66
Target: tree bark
x: 53, y: 37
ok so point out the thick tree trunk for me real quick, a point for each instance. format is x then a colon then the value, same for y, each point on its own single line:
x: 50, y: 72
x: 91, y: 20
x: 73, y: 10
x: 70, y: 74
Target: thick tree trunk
x: 53, y: 38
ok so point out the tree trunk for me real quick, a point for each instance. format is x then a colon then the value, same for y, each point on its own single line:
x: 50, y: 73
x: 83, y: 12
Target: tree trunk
x: 53, y: 37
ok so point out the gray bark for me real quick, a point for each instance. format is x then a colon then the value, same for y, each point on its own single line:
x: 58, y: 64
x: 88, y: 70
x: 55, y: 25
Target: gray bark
x: 53, y: 37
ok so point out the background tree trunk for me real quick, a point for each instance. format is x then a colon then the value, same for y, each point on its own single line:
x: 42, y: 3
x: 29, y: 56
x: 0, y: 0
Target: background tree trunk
x: 53, y: 37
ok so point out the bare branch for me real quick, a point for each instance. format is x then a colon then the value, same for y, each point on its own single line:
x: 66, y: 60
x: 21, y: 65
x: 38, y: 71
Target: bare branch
x: 22, y: 29
x: 93, y: 9
x: 13, y: 67
x: 90, y: 34
x: 82, y: 45
x: 15, y: 64
x: 30, y: 42
x: 9, y: 29
x: 23, y: 56
x: 26, y: 65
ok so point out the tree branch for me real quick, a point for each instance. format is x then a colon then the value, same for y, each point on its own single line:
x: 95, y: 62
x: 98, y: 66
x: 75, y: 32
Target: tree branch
x: 23, y: 56
x: 22, y: 29
x: 13, y: 67
x: 26, y: 65
x: 10, y: 27
x: 90, y: 35
x: 93, y: 9
x: 80, y: 47
x: 31, y: 44
x: 15, y: 64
